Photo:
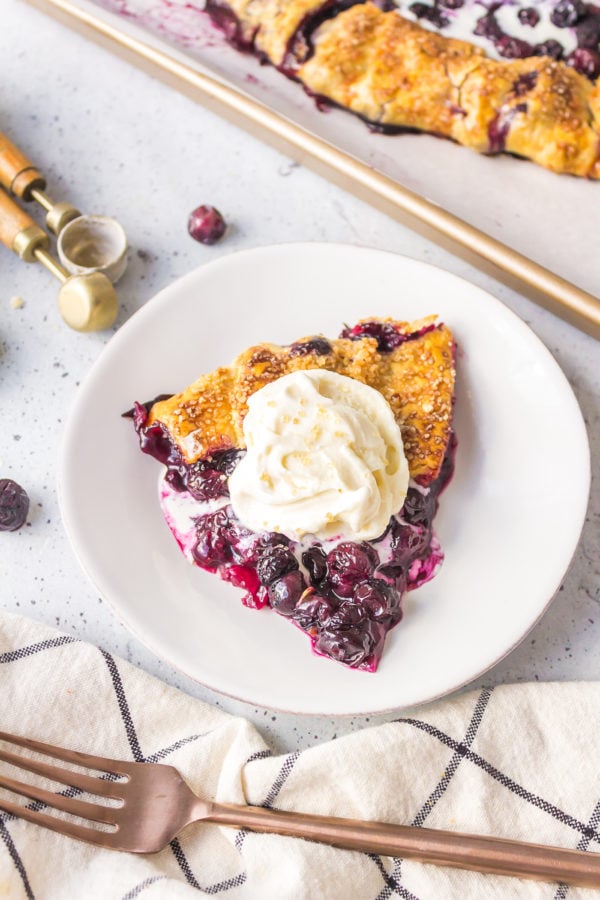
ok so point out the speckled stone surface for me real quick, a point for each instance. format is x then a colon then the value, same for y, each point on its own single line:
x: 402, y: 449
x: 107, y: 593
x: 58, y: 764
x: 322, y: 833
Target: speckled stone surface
x: 113, y: 141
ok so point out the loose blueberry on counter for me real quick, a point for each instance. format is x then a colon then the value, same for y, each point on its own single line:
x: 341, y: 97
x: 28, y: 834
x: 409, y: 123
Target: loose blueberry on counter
x: 206, y: 224
x: 14, y: 505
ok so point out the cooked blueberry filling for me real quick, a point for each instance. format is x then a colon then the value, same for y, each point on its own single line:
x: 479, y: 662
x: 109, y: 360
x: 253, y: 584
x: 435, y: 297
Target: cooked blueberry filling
x: 224, y: 18
x: 528, y: 16
x: 513, y: 31
x: 555, y: 29
x: 300, y: 46
x: 316, y: 345
x: 345, y: 595
x: 388, y: 337
x: 432, y: 14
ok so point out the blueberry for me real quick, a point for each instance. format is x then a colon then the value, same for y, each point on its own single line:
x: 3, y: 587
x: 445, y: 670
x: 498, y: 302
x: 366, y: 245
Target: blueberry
x: 285, y: 593
x: 275, y: 563
x: 14, y: 505
x: 488, y: 27
x: 205, y: 483
x: 395, y: 576
x: 156, y: 441
x: 525, y: 83
x: 419, y: 508
x: 409, y: 542
x: 318, y: 346
x: 313, y: 610
x: 584, y: 61
x: 212, y: 547
x: 388, y: 338
x: 529, y: 16
x: 588, y: 32
x: 315, y: 561
x: 206, y: 224
x: 347, y: 615
x: 550, y: 48
x: 513, y: 48
x: 429, y: 13
x: 452, y: 4
x: 348, y: 563
x: 379, y: 600
x: 353, y: 646
x: 225, y: 461
x: 567, y: 13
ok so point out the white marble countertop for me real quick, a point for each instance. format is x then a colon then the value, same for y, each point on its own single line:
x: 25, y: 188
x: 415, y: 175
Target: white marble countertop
x: 112, y: 140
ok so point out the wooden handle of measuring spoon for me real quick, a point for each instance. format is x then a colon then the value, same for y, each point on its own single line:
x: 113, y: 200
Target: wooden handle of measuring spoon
x: 18, y: 231
x: 17, y: 174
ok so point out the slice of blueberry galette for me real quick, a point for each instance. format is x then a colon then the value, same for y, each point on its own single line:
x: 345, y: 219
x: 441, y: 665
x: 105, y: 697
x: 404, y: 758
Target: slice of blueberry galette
x: 308, y: 475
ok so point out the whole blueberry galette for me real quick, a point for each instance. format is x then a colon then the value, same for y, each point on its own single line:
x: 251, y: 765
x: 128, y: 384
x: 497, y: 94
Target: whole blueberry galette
x: 493, y: 75
x: 308, y: 475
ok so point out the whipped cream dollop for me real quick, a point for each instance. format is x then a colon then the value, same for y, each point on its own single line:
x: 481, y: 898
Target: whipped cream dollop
x: 324, y: 457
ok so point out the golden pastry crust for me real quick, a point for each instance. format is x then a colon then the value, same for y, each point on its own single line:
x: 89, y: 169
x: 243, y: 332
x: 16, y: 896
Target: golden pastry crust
x: 416, y: 378
x: 396, y: 74
x: 389, y: 70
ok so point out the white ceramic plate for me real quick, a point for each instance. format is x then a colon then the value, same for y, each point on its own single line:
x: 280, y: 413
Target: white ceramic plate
x: 509, y: 521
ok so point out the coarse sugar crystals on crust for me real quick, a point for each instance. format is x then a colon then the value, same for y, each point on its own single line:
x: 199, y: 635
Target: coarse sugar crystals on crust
x: 416, y: 376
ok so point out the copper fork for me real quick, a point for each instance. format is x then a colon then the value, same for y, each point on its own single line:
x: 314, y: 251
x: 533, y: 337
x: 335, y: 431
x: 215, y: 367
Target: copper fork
x: 155, y: 804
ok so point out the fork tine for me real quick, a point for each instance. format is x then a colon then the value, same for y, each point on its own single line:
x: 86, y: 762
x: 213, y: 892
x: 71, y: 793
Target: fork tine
x: 70, y: 829
x: 84, y: 810
x: 88, y: 783
x: 103, y: 763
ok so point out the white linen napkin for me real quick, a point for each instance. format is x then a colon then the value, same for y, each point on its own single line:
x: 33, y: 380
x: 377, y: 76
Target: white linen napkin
x: 518, y: 761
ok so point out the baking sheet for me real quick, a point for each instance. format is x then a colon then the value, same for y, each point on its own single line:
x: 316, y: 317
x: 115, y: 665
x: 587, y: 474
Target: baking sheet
x: 550, y: 219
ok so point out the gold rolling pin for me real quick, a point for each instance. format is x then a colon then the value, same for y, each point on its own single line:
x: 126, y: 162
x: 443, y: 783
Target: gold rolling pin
x: 86, y: 302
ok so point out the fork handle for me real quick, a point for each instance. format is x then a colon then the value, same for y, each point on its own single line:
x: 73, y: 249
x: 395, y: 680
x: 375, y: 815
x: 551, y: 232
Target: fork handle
x: 497, y: 856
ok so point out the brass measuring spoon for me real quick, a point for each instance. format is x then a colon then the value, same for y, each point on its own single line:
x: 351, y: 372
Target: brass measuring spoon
x: 86, y: 302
